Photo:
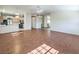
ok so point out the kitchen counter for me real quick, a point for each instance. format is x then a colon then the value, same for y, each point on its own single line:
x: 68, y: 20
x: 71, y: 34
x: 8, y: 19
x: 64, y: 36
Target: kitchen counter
x: 9, y: 28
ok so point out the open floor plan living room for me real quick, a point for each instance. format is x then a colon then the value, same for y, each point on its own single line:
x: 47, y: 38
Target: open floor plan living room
x: 39, y: 29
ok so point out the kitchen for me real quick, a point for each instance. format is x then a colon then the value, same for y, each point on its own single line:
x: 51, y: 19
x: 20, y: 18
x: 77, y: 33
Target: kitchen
x: 10, y: 22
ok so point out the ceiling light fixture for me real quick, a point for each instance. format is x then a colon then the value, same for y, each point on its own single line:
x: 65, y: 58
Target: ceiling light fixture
x: 17, y: 13
x: 39, y: 10
x: 3, y: 10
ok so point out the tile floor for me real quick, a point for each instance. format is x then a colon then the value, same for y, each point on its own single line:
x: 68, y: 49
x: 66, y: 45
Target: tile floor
x: 44, y: 49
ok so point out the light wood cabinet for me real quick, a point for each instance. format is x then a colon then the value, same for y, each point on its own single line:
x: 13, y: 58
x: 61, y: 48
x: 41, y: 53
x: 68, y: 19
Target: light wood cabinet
x: 1, y: 18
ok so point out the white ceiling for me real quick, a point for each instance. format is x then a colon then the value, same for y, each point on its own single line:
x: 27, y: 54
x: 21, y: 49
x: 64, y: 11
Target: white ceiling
x: 47, y: 9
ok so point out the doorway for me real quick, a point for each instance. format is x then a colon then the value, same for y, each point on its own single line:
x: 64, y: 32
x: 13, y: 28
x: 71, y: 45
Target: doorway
x: 45, y: 22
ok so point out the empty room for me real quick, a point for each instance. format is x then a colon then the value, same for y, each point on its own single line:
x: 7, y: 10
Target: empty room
x: 39, y: 29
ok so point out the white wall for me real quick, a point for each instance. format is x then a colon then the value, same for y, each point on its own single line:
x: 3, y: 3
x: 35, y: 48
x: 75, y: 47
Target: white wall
x: 65, y: 21
x: 27, y: 21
